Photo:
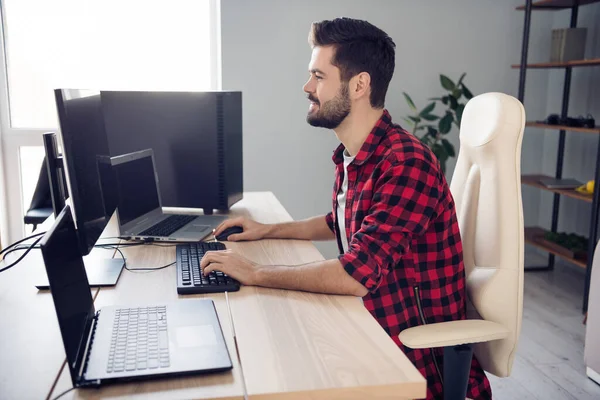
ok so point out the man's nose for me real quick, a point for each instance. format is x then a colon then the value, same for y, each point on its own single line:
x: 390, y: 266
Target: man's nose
x: 308, y: 87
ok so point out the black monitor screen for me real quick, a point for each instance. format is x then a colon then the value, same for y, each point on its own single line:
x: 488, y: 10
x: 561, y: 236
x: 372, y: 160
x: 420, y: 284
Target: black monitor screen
x: 136, y: 185
x: 181, y: 128
x: 69, y: 285
x: 84, y: 142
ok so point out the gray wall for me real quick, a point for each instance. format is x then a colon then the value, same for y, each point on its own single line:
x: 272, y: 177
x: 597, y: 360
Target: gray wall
x: 265, y: 55
x: 580, y: 148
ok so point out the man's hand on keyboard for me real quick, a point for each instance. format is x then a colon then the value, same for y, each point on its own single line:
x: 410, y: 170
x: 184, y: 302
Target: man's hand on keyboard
x: 232, y: 264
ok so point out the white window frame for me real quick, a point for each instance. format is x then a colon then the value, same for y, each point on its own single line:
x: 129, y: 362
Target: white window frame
x: 12, y: 139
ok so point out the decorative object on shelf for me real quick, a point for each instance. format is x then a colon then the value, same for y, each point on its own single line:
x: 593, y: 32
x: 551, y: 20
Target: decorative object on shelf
x: 423, y: 120
x: 568, y: 44
x: 574, y: 245
x: 579, y: 122
x: 588, y: 188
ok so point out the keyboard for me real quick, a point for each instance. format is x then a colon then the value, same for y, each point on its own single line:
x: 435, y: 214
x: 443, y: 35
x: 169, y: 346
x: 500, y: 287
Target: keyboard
x: 139, y: 340
x: 191, y: 280
x: 168, y: 225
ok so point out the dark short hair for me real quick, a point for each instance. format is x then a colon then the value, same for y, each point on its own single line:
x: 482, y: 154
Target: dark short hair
x: 359, y: 47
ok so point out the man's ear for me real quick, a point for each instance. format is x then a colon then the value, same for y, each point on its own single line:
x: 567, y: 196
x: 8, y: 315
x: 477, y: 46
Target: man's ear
x: 360, y: 86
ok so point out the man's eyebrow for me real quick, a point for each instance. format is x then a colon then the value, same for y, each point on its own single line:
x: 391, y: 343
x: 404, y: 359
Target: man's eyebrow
x: 316, y: 71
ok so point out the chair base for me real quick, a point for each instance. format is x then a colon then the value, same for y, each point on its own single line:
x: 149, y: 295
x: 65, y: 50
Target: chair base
x: 457, y: 367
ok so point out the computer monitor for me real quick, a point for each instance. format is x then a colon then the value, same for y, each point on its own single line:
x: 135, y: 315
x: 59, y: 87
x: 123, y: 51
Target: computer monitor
x: 84, y: 141
x: 84, y: 144
x: 196, y: 138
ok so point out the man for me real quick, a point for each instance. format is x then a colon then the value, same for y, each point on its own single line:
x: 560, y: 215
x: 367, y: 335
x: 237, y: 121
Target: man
x: 393, y: 214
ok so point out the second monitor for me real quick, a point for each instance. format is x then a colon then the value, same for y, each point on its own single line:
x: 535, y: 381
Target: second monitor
x: 196, y: 138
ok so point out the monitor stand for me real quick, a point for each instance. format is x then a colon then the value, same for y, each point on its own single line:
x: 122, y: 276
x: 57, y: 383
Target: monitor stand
x: 101, y: 272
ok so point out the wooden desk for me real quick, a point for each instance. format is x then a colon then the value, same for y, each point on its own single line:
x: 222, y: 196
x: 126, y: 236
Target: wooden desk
x: 292, y: 345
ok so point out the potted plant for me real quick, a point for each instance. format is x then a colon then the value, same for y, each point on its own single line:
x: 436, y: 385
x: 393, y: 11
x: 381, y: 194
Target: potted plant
x: 431, y: 128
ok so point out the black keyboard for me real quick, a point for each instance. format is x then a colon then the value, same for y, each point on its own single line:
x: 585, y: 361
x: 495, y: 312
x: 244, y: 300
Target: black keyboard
x: 168, y: 225
x: 191, y: 280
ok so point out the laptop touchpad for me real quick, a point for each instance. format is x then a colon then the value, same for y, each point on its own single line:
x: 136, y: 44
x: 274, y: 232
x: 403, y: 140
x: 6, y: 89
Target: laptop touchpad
x: 195, y: 336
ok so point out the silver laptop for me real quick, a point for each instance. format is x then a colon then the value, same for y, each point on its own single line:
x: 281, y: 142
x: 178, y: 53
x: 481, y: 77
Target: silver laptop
x: 126, y: 342
x: 139, y: 207
x: 555, y: 183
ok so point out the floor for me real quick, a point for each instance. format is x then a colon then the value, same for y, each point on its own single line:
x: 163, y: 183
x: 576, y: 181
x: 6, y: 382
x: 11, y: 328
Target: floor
x: 549, y: 362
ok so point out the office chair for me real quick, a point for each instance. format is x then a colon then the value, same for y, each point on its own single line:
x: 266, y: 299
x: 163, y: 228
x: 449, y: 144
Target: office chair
x: 486, y: 187
x: 40, y: 207
x: 591, y: 353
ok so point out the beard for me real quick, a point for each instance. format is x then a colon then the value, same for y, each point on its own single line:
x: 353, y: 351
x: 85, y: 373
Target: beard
x: 333, y: 112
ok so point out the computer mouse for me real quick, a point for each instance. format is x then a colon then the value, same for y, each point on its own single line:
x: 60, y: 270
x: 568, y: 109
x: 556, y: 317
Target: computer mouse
x: 221, y: 237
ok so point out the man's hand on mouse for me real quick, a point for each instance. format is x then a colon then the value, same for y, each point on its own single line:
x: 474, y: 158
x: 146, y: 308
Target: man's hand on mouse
x: 232, y: 264
x: 252, y: 230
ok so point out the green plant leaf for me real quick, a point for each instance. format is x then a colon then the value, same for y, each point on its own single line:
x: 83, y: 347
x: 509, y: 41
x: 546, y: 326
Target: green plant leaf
x: 459, y: 113
x: 414, y: 119
x: 445, y: 100
x: 457, y: 93
x: 449, y: 148
x: 447, y: 83
x: 409, y: 101
x: 408, y: 121
x: 461, y: 79
x: 453, y: 102
x: 430, y: 117
x: 419, y: 128
x: 435, y: 98
x: 467, y: 92
x: 445, y: 123
x: 431, y: 131
x: 425, y: 139
x: 427, y: 109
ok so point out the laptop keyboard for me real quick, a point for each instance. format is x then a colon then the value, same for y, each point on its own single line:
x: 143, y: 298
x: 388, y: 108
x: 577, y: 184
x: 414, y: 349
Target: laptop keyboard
x: 139, y: 340
x: 168, y: 225
x: 190, y: 278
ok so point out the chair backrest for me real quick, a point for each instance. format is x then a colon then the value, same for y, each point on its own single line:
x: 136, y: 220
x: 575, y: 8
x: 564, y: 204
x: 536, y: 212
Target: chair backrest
x: 486, y: 187
x: 592, y: 344
x: 41, y: 196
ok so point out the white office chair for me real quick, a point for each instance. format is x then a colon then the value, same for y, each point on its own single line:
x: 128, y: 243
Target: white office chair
x: 486, y: 187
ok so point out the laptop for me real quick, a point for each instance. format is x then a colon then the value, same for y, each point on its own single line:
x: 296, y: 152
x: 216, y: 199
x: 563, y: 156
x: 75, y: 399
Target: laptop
x: 134, y: 186
x: 123, y: 343
x: 554, y: 183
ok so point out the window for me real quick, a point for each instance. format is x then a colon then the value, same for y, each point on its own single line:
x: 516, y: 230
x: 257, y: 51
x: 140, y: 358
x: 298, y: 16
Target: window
x: 104, y: 44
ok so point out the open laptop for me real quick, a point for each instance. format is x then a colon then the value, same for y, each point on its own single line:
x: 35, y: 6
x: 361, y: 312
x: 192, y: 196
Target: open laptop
x: 139, y: 207
x: 124, y: 343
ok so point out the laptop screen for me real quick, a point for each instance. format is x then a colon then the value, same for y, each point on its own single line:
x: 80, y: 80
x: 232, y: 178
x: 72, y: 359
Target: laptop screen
x: 69, y: 286
x: 137, y: 187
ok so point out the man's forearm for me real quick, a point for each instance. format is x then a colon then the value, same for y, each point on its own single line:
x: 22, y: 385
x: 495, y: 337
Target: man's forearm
x: 314, y: 228
x: 321, y: 277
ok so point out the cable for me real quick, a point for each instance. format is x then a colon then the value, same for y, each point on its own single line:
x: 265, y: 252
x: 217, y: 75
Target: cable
x: 63, y: 393
x: 21, y: 241
x: 22, y: 256
x: 14, y: 247
x: 146, y: 270
x: 149, y: 269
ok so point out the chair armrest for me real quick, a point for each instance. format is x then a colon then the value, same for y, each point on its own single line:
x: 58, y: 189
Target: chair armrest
x: 452, y: 333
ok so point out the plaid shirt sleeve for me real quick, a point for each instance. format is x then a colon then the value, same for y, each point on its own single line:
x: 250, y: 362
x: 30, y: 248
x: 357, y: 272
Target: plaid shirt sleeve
x: 404, y: 201
x: 329, y: 220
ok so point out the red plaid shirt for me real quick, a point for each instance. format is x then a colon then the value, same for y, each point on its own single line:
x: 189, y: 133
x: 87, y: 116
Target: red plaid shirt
x: 404, y: 244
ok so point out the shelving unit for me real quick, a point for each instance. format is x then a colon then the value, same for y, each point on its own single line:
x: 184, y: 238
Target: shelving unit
x: 575, y: 63
x: 535, y: 235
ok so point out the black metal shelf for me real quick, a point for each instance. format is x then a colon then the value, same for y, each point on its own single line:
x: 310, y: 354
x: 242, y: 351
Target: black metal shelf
x: 573, y: 5
x: 553, y: 5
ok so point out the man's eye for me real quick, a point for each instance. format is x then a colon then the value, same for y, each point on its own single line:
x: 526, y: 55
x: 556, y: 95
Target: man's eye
x: 318, y: 77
